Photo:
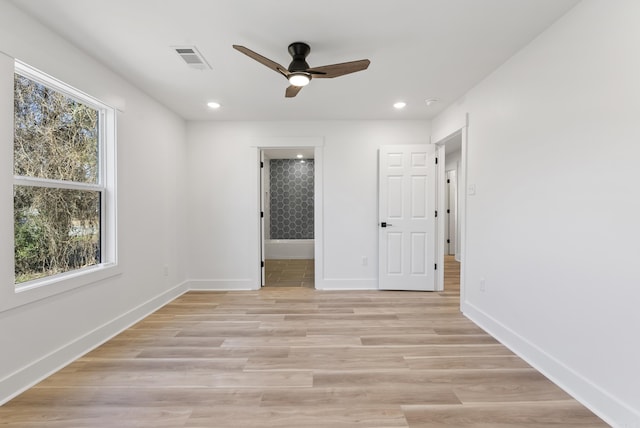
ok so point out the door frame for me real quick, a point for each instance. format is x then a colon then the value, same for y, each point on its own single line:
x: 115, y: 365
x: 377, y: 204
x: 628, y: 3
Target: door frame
x: 318, y: 233
x: 451, y: 213
x: 461, y: 133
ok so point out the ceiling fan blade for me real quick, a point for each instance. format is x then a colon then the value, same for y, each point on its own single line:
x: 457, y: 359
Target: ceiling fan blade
x: 263, y: 60
x: 336, y: 70
x: 292, y: 91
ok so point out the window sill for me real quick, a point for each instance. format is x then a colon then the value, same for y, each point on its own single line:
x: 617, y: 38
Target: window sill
x: 47, y: 287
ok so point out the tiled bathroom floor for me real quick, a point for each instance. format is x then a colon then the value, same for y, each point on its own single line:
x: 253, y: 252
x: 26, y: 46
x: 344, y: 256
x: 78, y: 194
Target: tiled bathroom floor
x: 289, y: 273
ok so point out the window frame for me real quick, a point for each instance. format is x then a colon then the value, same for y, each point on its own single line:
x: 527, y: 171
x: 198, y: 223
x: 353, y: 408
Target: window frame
x: 36, y: 289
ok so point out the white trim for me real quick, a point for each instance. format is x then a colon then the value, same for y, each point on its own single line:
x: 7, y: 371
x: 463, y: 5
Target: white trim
x: 56, y: 184
x: 462, y: 206
x: 318, y: 216
x: 29, y: 375
x: 48, y: 286
x: 462, y: 210
x: 222, y: 284
x: 285, y: 142
x: 441, y: 207
x: 99, y: 272
x: 318, y: 198
x: 39, y: 76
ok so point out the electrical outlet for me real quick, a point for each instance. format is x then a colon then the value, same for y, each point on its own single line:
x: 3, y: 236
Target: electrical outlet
x: 365, y: 260
x: 483, y: 285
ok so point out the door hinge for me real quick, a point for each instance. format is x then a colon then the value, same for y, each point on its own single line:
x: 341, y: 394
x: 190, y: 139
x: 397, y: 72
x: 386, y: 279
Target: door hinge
x: 261, y: 164
x: 261, y: 214
x: 262, y: 264
x: 435, y: 267
x: 436, y: 161
x: 448, y: 211
x: 448, y: 241
x: 448, y: 181
x: 436, y: 213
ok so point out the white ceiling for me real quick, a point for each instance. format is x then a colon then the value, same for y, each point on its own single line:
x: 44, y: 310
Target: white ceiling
x: 418, y: 49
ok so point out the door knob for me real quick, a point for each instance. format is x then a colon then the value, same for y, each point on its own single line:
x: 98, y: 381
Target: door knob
x: 385, y: 224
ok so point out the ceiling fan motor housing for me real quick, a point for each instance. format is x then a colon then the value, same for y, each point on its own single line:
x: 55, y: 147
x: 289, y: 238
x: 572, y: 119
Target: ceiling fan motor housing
x: 299, y: 52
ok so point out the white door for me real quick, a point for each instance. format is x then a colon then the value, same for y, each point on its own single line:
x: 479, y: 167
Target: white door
x: 407, y: 228
x: 263, y: 236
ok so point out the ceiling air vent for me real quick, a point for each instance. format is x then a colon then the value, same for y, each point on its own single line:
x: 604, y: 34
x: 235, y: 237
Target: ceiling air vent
x: 192, y: 57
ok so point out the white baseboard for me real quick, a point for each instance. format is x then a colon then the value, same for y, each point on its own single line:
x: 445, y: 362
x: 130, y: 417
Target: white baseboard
x: 31, y: 374
x: 251, y: 284
x: 222, y: 284
x: 609, y: 408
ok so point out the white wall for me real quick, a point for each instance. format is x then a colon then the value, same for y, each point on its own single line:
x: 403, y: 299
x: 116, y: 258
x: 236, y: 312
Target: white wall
x: 39, y: 337
x: 554, y: 225
x: 223, y: 197
x: 453, y: 161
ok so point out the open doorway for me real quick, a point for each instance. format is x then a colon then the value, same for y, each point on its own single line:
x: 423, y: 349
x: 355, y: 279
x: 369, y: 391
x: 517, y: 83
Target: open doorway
x: 451, y: 261
x: 449, y: 200
x: 288, y: 210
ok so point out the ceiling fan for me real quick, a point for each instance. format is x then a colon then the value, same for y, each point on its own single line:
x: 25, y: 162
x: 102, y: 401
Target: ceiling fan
x: 299, y: 74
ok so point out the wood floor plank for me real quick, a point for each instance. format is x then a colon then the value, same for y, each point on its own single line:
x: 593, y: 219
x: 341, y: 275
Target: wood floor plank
x: 333, y: 340
x: 209, y: 352
x: 515, y: 415
x: 466, y: 362
x: 96, y: 417
x: 426, y: 339
x: 361, y: 396
x: 505, y: 385
x: 297, y: 357
x: 190, y: 379
x: 141, y: 365
x: 371, y: 362
x: 134, y: 396
x: 288, y: 416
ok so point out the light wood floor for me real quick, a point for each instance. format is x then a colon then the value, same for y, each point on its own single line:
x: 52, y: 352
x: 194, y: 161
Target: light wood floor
x: 297, y: 357
x: 289, y: 273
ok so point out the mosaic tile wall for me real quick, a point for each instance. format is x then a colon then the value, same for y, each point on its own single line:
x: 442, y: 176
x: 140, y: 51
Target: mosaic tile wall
x: 291, y: 198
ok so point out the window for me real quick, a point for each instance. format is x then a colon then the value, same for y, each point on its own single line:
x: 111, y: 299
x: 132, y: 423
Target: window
x: 64, y: 181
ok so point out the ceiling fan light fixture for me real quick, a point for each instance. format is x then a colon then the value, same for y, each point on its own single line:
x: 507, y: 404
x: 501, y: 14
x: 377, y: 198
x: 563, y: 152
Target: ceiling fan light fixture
x: 299, y: 79
x: 299, y: 74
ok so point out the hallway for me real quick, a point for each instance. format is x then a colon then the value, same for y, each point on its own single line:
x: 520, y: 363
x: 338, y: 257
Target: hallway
x: 289, y: 273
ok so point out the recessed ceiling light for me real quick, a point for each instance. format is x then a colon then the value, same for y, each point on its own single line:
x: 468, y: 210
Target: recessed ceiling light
x: 400, y: 105
x: 213, y: 105
x: 299, y: 156
x: 431, y: 101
